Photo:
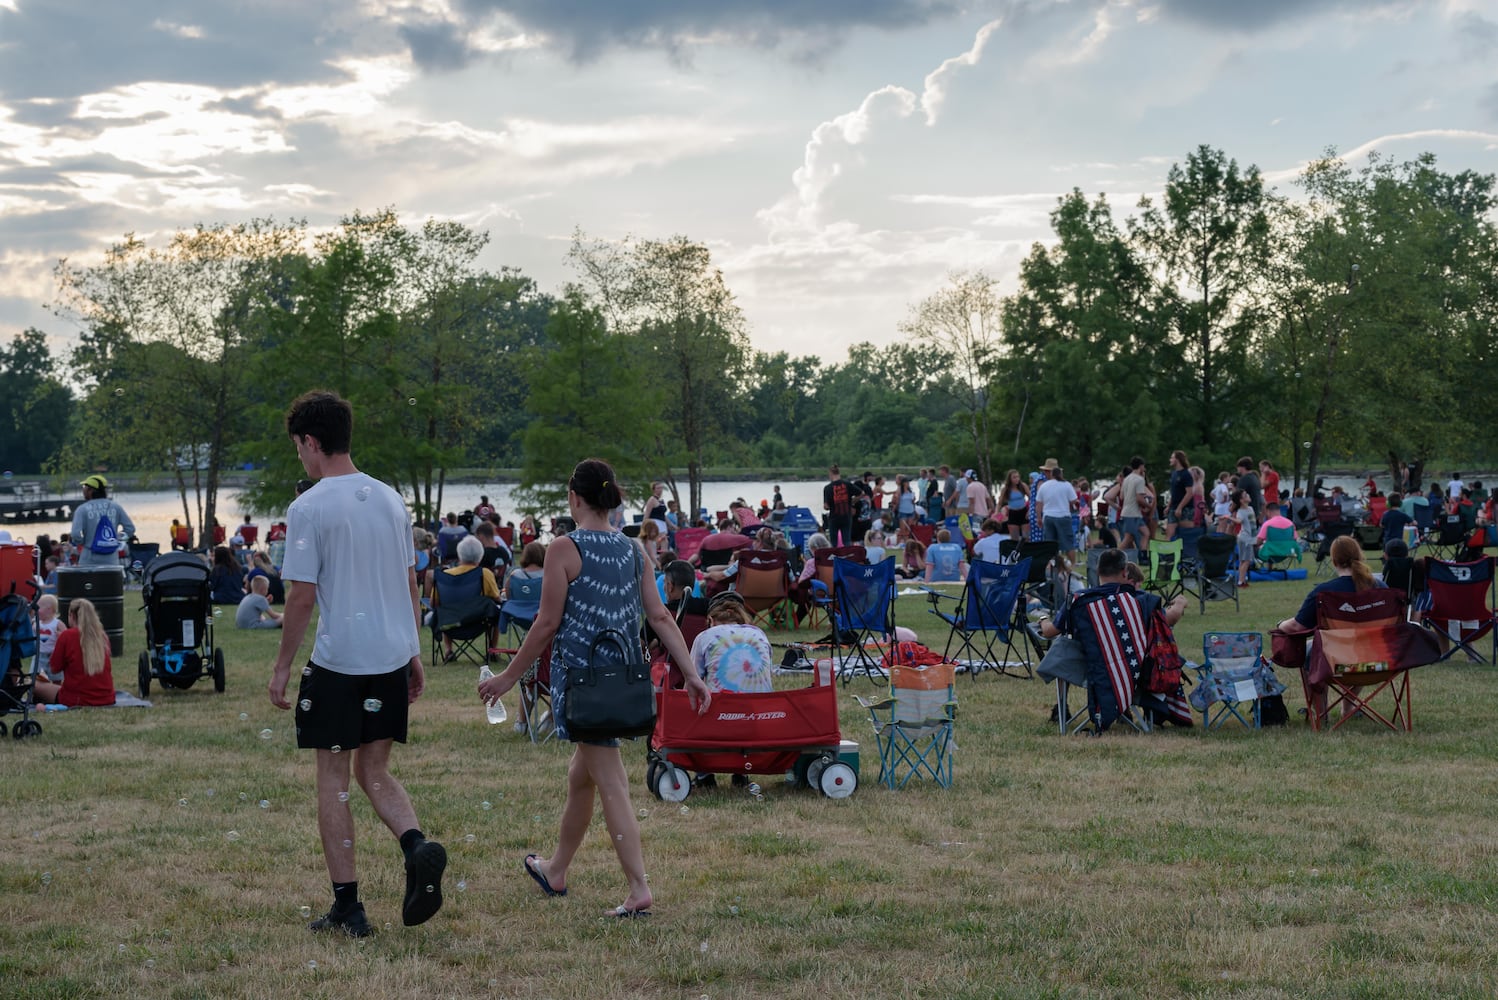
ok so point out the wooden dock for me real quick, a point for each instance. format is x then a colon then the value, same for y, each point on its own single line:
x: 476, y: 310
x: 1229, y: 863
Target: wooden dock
x: 24, y: 503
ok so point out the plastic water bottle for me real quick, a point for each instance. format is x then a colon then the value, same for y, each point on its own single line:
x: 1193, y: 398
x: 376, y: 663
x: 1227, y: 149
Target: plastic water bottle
x: 495, y: 709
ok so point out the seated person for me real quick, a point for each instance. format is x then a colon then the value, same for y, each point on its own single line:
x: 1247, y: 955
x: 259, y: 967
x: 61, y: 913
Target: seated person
x: 531, y: 565
x: 914, y: 565
x: 497, y: 555
x: 1352, y: 576
x: 986, y: 547
x: 1404, y: 574
x: 1277, y: 520
x: 470, y: 555
x: 1112, y: 666
x: 873, y: 545
x: 48, y: 628
x: 732, y: 654
x: 82, y: 657
x: 679, y: 580
x: 1395, y: 519
x: 260, y: 567
x: 946, y: 561
x: 448, y: 536
x: 226, y: 578
x: 254, y: 611
x: 745, y: 521
x: 720, y: 542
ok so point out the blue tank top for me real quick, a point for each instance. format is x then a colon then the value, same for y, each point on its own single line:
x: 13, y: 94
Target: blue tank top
x: 605, y: 595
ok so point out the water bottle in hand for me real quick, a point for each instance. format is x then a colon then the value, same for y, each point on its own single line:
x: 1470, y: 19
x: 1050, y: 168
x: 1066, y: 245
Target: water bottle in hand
x: 495, y: 709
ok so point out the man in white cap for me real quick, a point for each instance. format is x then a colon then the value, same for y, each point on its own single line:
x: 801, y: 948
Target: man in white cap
x: 100, y: 526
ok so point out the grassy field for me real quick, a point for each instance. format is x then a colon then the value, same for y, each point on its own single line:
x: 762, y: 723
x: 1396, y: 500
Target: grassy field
x: 169, y: 852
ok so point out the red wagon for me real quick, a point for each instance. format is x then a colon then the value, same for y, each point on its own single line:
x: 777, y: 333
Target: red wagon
x: 759, y: 733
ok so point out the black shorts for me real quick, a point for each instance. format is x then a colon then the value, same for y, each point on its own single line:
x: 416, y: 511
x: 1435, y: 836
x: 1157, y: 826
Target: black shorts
x: 344, y: 711
x: 1017, y: 517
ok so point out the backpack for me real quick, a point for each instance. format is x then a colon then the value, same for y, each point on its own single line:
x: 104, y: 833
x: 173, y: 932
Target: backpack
x: 1199, y: 511
x: 1162, y: 674
x: 105, y: 542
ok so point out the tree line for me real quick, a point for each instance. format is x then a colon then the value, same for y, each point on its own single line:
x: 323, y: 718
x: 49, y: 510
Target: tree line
x: 1353, y: 319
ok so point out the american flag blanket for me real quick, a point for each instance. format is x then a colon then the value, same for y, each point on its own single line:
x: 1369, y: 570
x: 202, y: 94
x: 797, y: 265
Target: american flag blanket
x: 1122, y: 630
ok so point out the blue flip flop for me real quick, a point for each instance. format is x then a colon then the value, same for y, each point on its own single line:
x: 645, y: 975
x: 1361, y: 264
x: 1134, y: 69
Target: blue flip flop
x: 535, y: 873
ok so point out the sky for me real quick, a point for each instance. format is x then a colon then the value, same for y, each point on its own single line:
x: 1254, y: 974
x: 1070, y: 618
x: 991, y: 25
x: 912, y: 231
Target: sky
x: 841, y: 158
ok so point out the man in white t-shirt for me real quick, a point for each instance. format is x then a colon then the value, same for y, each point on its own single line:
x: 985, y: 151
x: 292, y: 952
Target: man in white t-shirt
x: 986, y: 548
x: 1057, y: 500
x: 349, y: 554
x: 1455, y: 487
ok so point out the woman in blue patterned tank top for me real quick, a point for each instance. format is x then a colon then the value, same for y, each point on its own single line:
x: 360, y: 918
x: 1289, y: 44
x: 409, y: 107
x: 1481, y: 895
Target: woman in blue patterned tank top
x: 594, y: 579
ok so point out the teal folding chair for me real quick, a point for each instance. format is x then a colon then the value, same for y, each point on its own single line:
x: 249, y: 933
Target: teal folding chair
x: 913, y: 724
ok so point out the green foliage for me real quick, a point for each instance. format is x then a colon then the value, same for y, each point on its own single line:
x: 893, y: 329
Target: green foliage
x: 35, y: 407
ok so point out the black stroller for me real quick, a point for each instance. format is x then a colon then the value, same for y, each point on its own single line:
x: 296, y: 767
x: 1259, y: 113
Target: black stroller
x: 18, y: 664
x: 179, y: 624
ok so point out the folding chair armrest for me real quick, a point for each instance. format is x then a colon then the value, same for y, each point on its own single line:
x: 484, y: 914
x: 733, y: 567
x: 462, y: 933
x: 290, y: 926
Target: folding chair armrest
x: 874, y: 706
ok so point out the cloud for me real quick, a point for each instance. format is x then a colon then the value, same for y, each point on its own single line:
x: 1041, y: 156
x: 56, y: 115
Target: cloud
x: 1489, y: 102
x: 1478, y: 35
x: 587, y: 28
x: 935, y: 91
x: 1490, y: 139
x: 1255, y: 15
x: 437, y: 46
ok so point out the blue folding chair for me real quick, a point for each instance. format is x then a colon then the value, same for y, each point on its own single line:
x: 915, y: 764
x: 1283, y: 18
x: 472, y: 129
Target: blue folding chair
x: 463, y: 616
x: 518, y: 612
x: 913, y: 724
x: 988, y: 614
x: 1232, y: 679
x: 863, y: 609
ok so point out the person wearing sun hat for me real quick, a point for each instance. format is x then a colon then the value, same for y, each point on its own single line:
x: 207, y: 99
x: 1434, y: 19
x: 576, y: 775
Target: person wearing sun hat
x: 100, y: 525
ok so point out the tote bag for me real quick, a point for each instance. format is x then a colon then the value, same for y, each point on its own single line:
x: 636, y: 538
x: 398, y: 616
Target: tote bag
x: 612, y: 697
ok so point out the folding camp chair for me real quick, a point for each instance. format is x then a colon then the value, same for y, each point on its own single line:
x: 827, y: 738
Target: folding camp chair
x: 913, y: 724
x: 988, y: 613
x: 1041, y: 583
x: 1377, y: 507
x: 1360, y: 650
x: 763, y: 581
x: 1163, y: 574
x: 1459, y: 605
x: 821, y: 581
x: 1217, y: 569
x: 1370, y: 537
x: 1448, y: 538
x: 1278, y: 549
x: 688, y: 541
x: 520, y: 609
x: 1425, y: 521
x: 863, y: 610
x: 1232, y: 679
x: 463, y: 615
x: 535, y: 697
x: 1122, y: 650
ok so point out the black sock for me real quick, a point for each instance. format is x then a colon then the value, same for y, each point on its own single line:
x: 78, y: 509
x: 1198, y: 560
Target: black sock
x: 410, y: 839
x: 345, y: 896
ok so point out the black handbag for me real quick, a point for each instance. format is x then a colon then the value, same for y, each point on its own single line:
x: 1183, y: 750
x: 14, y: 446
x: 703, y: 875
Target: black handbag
x: 612, y: 697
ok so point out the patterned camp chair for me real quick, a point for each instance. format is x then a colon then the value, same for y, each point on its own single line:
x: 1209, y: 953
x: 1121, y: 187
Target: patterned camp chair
x: 913, y: 724
x: 1457, y: 602
x: 1233, y: 678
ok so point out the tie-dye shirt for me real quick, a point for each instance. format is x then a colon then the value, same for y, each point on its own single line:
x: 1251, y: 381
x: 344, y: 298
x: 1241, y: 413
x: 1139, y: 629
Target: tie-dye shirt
x: 733, y: 658
x: 605, y: 595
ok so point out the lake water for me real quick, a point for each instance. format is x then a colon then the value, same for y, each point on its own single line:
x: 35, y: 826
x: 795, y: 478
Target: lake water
x: 152, y: 511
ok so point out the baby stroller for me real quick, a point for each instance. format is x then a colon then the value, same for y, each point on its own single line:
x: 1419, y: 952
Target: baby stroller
x: 179, y: 624
x: 18, y: 663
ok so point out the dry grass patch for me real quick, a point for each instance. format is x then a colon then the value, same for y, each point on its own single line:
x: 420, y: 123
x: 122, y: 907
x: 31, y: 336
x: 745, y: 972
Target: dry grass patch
x: 1273, y: 864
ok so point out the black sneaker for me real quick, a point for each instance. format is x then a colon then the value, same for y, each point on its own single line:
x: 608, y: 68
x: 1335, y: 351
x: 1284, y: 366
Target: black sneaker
x: 424, y: 868
x: 351, y: 921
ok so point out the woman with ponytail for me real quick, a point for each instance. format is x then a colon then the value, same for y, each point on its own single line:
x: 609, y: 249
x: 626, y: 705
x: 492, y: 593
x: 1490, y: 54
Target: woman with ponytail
x: 1353, y: 575
x: 82, y: 656
x: 595, y: 579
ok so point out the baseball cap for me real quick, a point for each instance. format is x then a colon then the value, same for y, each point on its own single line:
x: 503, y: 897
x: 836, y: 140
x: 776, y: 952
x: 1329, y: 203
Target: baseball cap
x: 96, y: 482
x: 970, y: 474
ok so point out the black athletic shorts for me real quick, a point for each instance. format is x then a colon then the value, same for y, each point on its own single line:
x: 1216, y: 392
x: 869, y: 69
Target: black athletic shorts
x: 1018, y: 517
x: 344, y: 711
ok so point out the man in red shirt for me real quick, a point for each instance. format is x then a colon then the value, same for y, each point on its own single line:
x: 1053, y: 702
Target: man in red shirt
x: 1270, y: 483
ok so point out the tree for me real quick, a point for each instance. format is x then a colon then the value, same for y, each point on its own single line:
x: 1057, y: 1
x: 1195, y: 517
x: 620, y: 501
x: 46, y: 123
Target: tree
x: 192, y: 298
x: 590, y: 398
x: 1210, y: 245
x: 669, y: 293
x: 962, y: 321
x: 1084, y: 319
x: 35, y: 408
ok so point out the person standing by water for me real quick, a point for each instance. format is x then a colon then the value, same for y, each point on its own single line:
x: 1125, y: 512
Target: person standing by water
x: 100, y: 525
x: 352, y: 557
x: 595, y: 579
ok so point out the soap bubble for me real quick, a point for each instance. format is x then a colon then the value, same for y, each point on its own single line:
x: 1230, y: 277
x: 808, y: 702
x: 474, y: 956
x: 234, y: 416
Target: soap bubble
x: 120, y: 949
x: 305, y: 911
x: 754, y: 789
x: 493, y: 983
x: 312, y: 965
x: 218, y: 612
x: 335, y: 748
x: 486, y: 806
x: 644, y: 813
x: 307, y: 671
x: 8, y: 473
x: 431, y: 888
x: 150, y: 962
x: 377, y: 786
x: 373, y: 704
x: 1315, y: 873
x: 748, y: 766
x: 244, y: 796
x: 209, y: 793
x: 733, y: 911
x: 462, y: 885
x: 343, y: 796
x: 46, y: 878
x: 119, y: 392
x: 702, y: 947
x: 411, y: 401
x: 361, y: 494
x: 1305, y: 444
x: 182, y: 803
x: 305, y: 704
x: 266, y: 734
x: 470, y: 838
x: 348, y: 843
x: 265, y: 803
x: 301, y: 545
x: 244, y: 716
x: 685, y: 810
x: 223, y: 963
x: 232, y: 836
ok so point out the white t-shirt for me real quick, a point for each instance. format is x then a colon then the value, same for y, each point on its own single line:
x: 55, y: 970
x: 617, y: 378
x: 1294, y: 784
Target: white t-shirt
x: 351, y: 536
x: 987, y: 547
x: 1454, y: 489
x: 1222, y: 500
x: 1055, y: 497
x: 46, y: 639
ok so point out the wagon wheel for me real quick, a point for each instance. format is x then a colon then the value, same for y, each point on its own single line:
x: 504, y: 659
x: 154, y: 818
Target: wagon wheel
x: 143, y: 673
x: 838, y: 780
x: 672, y: 784
x: 218, y: 670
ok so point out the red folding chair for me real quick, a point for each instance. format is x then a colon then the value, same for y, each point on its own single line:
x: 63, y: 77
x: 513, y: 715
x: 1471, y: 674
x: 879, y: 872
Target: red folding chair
x: 1364, y: 647
x: 1459, y: 601
x: 763, y: 580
